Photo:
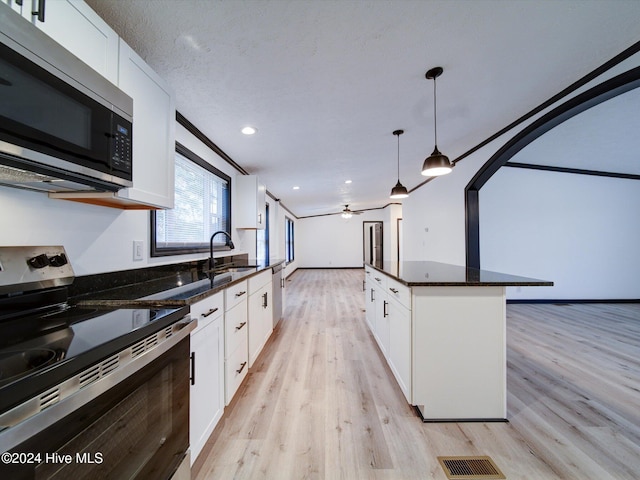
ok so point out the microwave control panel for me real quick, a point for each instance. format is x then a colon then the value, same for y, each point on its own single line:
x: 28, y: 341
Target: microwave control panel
x: 122, y: 148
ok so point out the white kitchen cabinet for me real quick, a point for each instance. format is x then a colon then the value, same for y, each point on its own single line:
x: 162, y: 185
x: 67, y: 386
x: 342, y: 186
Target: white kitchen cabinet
x: 388, y: 313
x: 153, y: 131
x: 382, y: 319
x: 445, y: 345
x: 75, y: 26
x: 206, y: 402
x: 369, y: 300
x: 260, y: 313
x: 236, y: 349
x: 399, y: 354
x: 250, y: 203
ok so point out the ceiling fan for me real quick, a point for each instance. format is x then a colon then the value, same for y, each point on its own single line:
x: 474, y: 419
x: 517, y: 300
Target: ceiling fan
x: 347, y: 212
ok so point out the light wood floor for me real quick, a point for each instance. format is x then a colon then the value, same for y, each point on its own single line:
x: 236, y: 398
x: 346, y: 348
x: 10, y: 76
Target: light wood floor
x: 321, y: 403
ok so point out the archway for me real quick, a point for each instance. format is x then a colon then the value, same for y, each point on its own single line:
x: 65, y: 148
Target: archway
x: 580, y: 103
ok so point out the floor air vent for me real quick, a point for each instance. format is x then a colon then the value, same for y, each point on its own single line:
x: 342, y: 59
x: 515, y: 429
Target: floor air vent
x: 463, y: 468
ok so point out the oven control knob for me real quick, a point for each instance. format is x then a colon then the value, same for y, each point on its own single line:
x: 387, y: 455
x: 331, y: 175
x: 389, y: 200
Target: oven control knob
x: 40, y: 261
x: 58, y: 260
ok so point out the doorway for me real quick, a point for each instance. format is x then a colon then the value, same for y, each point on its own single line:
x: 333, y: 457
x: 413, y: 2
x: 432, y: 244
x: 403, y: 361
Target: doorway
x: 372, y: 243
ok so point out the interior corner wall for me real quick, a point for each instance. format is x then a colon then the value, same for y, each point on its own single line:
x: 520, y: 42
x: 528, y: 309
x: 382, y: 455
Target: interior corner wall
x: 392, y: 213
x: 330, y: 241
x: 579, y: 231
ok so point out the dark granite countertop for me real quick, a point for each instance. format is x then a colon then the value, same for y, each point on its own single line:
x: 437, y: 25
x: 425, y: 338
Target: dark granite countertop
x: 172, y: 289
x: 435, y: 274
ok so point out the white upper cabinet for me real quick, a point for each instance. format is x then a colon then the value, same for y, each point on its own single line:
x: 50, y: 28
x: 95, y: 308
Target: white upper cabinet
x: 250, y: 203
x: 77, y: 28
x: 154, y: 132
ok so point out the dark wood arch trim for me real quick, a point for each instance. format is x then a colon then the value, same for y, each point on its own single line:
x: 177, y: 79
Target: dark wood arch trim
x: 600, y: 93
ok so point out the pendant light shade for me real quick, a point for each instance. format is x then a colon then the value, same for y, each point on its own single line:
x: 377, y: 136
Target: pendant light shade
x: 399, y: 191
x: 437, y: 163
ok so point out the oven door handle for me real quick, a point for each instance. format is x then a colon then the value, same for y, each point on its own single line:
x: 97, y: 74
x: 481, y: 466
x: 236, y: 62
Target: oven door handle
x: 185, y: 322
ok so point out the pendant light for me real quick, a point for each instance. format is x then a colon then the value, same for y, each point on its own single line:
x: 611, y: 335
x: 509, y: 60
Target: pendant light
x: 399, y: 191
x: 435, y: 164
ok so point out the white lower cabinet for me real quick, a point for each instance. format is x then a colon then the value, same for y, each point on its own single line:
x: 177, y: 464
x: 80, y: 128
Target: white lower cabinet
x: 260, y: 313
x: 206, y: 404
x: 446, y: 345
x: 388, y: 313
x: 399, y: 355
x: 236, y: 348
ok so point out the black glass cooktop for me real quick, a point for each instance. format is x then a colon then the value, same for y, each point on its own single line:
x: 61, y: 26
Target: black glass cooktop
x: 41, y: 350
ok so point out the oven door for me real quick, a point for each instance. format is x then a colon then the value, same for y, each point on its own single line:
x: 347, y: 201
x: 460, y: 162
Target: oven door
x: 138, y: 428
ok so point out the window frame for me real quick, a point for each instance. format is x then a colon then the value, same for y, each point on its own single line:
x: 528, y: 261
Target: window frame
x: 289, y: 240
x: 200, y: 248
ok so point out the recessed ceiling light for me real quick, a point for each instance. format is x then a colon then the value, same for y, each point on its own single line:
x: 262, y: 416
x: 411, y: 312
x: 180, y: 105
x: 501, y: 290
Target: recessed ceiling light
x: 249, y: 130
x: 347, y: 181
x: 296, y: 188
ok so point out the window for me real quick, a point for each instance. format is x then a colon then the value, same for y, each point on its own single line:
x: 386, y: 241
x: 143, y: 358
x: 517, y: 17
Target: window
x: 202, y: 207
x: 262, y: 240
x: 288, y: 240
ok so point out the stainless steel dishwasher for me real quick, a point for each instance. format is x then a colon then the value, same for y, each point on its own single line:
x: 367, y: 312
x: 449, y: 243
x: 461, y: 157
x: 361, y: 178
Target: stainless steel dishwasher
x: 278, y: 294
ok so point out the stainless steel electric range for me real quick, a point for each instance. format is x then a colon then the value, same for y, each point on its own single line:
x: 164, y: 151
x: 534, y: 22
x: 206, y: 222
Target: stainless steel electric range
x: 87, y: 392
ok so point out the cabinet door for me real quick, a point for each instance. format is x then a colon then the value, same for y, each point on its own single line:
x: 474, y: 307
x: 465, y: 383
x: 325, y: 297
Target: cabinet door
x: 260, y: 321
x: 236, y: 349
x: 153, y: 131
x: 80, y: 30
x: 382, y: 320
x: 207, y: 389
x: 399, y: 355
x: 250, y: 203
x: 370, y: 307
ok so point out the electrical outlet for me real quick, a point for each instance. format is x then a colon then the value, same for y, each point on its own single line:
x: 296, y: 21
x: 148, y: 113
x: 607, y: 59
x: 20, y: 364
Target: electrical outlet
x: 138, y: 250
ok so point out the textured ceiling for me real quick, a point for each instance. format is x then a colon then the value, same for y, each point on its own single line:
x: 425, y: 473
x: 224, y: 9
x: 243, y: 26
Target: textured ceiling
x: 327, y: 82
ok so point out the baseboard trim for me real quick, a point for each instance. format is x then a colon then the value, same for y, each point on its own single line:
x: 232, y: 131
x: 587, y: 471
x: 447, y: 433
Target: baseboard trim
x: 582, y: 300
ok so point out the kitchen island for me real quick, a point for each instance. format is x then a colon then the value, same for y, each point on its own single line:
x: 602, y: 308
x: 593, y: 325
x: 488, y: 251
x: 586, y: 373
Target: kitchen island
x: 442, y: 330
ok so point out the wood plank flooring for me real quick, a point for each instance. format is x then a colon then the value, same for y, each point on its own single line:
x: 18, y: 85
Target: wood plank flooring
x: 321, y: 403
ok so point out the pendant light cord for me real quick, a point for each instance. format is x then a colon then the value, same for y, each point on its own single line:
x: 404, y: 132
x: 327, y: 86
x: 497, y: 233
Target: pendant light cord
x: 398, y: 157
x: 435, y: 115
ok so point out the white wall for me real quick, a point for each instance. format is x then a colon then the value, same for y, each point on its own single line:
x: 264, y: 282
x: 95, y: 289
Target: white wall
x: 96, y: 239
x: 390, y: 232
x: 580, y: 231
x: 434, y: 221
x: 331, y: 241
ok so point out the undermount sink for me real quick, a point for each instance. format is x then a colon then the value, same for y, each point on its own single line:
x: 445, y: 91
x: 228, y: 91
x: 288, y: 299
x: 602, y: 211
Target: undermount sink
x: 232, y: 269
x: 239, y: 269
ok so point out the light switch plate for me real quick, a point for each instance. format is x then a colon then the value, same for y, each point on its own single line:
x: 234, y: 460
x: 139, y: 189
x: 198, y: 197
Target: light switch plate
x: 138, y: 247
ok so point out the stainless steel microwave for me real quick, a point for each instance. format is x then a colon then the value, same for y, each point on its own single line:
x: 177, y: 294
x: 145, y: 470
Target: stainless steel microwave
x: 63, y: 127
